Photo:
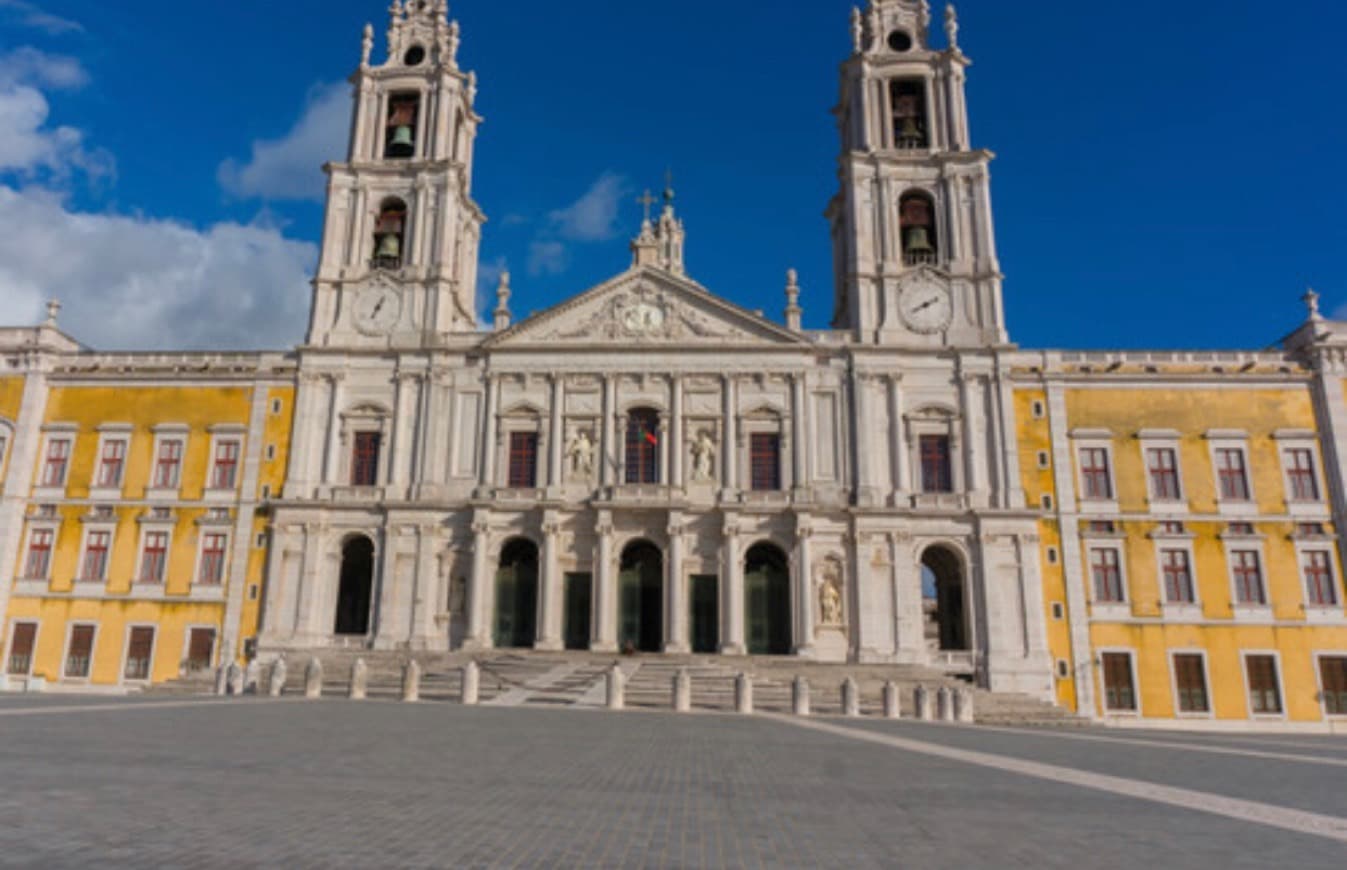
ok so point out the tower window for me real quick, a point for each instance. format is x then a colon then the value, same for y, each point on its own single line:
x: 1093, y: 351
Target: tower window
x: 365, y: 459
x: 414, y: 56
x: 401, y: 133
x: 389, y: 233
x: 909, y: 113
x: 900, y: 41
x: 917, y: 216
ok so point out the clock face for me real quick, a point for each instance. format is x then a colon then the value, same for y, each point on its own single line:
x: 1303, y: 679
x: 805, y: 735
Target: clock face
x: 926, y: 307
x: 644, y: 318
x: 377, y: 310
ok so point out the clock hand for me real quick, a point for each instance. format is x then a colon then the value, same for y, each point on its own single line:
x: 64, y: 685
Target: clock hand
x: 379, y: 307
x: 921, y: 308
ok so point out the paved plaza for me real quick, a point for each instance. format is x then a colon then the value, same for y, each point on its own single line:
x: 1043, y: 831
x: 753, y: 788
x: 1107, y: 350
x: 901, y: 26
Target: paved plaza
x: 201, y: 783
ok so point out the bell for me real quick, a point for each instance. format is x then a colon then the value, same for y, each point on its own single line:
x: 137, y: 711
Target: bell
x: 390, y: 248
x: 919, y: 241
x: 910, y: 133
x: 402, y: 144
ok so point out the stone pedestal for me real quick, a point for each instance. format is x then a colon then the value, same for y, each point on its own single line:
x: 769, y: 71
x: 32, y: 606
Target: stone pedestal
x: 799, y: 697
x: 276, y: 682
x: 743, y: 694
x: 944, y: 703
x: 411, y: 681
x: 313, y: 679
x: 682, y: 691
x: 472, y: 680
x: 616, y: 688
x: 921, y: 703
x: 359, y: 680
x: 892, y: 708
x: 851, y: 698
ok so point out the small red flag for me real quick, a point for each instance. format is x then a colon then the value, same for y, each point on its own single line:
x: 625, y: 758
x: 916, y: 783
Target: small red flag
x: 650, y: 436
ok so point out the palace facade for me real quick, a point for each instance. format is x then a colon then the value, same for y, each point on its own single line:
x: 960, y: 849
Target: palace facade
x: 649, y: 467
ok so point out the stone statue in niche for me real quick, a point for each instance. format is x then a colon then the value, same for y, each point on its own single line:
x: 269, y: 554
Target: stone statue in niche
x: 830, y: 593
x: 458, y: 595
x: 580, y: 453
x: 703, y: 457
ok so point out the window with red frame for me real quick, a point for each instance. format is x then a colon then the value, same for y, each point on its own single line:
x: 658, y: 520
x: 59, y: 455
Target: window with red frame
x: 168, y: 465
x: 642, y: 447
x: 937, y: 468
x: 95, y: 567
x: 765, y: 461
x: 1233, y: 474
x: 523, y: 472
x: 1106, y: 566
x: 225, y: 473
x: 38, y: 563
x: 365, y: 459
x: 1247, y: 568
x: 1320, y: 586
x: 1163, y: 465
x: 154, y: 558
x: 212, y: 559
x: 1094, y: 473
x: 1300, y: 472
x: 58, y: 460
x: 111, y: 463
x: 1178, y: 574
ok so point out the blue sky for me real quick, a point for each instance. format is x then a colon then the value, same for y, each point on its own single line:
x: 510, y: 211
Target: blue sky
x: 1168, y: 175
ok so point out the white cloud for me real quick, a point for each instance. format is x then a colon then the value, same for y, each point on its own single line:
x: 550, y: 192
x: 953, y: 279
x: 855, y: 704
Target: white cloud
x: 291, y: 167
x: 137, y: 283
x: 28, y: 146
x: 33, y: 16
x: 594, y: 216
x: 33, y: 66
x: 548, y: 257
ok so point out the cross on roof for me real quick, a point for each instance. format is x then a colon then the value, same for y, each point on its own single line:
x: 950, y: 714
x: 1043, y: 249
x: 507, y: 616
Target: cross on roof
x: 648, y: 201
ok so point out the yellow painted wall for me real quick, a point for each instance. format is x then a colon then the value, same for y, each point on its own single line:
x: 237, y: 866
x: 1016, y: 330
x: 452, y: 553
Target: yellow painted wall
x: 11, y: 400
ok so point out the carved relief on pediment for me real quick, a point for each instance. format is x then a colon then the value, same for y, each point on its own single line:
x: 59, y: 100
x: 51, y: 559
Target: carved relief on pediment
x: 643, y: 313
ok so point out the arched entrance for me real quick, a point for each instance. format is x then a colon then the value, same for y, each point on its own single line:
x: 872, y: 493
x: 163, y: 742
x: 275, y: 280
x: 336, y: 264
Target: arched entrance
x: 767, y: 601
x: 517, y: 595
x: 943, y: 591
x: 356, y: 589
x: 641, y: 598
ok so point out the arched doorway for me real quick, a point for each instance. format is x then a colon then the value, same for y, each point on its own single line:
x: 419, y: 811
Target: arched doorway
x: 942, y: 589
x: 641, y: 598
x: 356, y: 589
x: 517, y: 595
x: 767, y: 601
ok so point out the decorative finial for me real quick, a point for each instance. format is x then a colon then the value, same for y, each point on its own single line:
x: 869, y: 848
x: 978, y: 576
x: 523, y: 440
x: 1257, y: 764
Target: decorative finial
x: 952, y: 27
x: 1311, y: 300
x: 53, y: 312
x: 367, y: 46
x: 857, y: 31
x: 793, y: 310
x: 647, y: 200
x: 668, y: 186
x: 455, y: 37
x: 502, y: 312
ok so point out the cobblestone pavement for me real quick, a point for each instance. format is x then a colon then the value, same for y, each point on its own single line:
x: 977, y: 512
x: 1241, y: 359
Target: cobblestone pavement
x: 340, y: 784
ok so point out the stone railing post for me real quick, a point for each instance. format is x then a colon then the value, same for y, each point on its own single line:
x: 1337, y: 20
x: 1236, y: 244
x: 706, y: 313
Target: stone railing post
x: 472, y: 683
x: 743, y: 694
x: 921, y: 702
x: 945, y: 704
x: 799, y: 697
x: 851, y: 698
x: 222, y: 680
x: 359, y: 680
x: 616, y: 685
x: 276, y: 683
x: 411, y: 681
x: 236, y: 684
x: 963, y: 706
x: 892, y: 706
x: 313, y: 679
x: 682, y: 691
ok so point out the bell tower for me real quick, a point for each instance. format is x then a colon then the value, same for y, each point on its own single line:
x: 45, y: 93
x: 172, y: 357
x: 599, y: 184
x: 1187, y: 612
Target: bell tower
x: 399, y: 256
x: 914, y: 250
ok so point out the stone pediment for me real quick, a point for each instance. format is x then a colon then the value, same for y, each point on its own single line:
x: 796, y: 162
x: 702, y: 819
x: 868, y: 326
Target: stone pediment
x: 645, y: 307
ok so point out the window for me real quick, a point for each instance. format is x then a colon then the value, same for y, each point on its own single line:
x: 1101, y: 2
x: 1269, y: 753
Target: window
x: 200, y: 649
x: 365, y: 459
x: 110, y: 465
x: 225, y: 473
x: 1240, y: 529
x: 908, y: 98
x: 1332, y: 677
x: 1052, y: 555
x: 1044, y: 460
x: 1172, y: 528
x: 1163, y: 466
x: 154, y: 557
x: 1102, y: 527
x: 139, y: 651
x: 1321, y: 588
x: 38, y: 563
x: 79, y: 653
x: 58, y: 461
x: 1265, y: 696
x: 1300, y: 475
x: 1247, y: 568
x: 642, y: 447
x: 765, y: 461
x: 276, y: 406
x: 1106, y: 568
x: 4, y: 444
x: 1178, y: 574
x: 1190, y: 678
x: 401, y: 132
x: 1039, y: 410
x: 1094, y: 473
x: 95, y: 567
x: 1310, y: 530
x: 23, y: 638
x: 213, y: 548
x: 389, y: 232
x: 168, y: 464
x: 523, y: 460
x: 937, y: 469
x: 916, y: 214
x: 1119, y: 691
x: 1232, y: 474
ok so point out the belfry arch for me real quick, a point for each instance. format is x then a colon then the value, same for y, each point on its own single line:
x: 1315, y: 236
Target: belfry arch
x: 767, y: 611
x: 517, y: 595
x: 641, y: 598
x: 355, y: 592
x: 944, y: 585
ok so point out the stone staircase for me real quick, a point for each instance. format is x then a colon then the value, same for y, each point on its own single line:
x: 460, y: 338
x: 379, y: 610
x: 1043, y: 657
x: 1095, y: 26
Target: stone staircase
x: 536, y: 679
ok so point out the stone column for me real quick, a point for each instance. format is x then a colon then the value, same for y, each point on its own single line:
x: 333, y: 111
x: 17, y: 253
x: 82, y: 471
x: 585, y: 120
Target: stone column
x: 865, y: 490
x: 399, y: 453
x: 481, y: 586
x: 605, y: 588
x: 898, y: 442
x: 309, y: 622
x: 664, y: 455
x: 676, y: 638
x: 331, y: 458
x: 490, y: 428
x: 975, y: 446
x: 800, y: 443
x: 608, y: 451
x: 676, y: 449
x: 556, y: 433
x: 550, y: 601
x: 729, y: 448
x: 910, y: 620
x: 426, y: 593
x: 804, y: 589
x: 732, y: 598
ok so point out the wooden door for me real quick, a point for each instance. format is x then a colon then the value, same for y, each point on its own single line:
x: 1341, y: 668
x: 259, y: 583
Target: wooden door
x: 1333, y: 670
x: 21, y: 649
x: 139, y: 651
x: 79, y: 656
x: 1119, y: 692
x: 200, y: 649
